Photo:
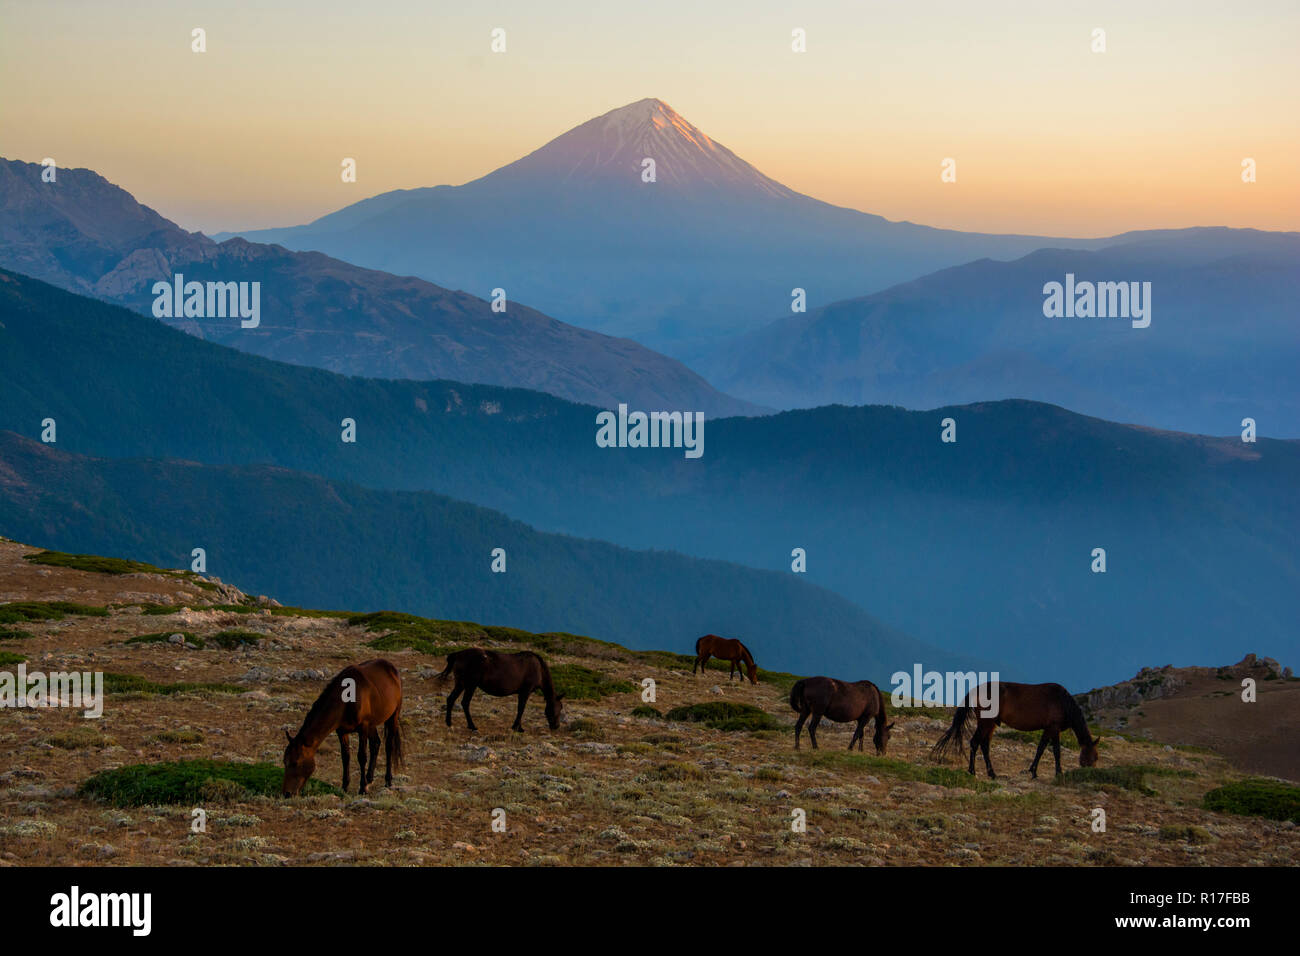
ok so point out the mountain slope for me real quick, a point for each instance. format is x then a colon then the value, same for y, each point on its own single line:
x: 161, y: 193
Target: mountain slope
x: 87, y: 235
x: 1222, y: 345
x: 323, y: 543
x: 612, y: 784
x: 983, y: 545
x: 702, y: 251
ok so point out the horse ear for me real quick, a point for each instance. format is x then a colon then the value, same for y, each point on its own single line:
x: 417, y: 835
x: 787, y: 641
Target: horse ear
x: 890, y: 725
x: 1096, y: 741
x: 287, y: 737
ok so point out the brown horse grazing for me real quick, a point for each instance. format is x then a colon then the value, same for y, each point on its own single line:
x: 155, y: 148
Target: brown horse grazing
x: 501, y: 675
x: 1045, y: 707
x: 725, y: 649
x: 841, y: 702
x: 373, y: 698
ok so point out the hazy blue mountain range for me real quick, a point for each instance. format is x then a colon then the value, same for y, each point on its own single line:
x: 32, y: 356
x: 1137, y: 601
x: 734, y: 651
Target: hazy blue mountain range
x: 1223, y: 341
x: 84, y: 234
x: 983, y: 545
x: 330, y: 544
x: 712, y: 247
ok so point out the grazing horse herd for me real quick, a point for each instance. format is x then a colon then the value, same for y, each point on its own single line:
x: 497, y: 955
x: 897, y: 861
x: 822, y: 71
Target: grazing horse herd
x: 364, y: 697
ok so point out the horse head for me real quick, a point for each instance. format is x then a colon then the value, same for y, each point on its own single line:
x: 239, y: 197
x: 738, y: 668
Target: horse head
x: 881, y: 739
x: 1088, y: 753
x: 554, y: 710
x: 299, y: 765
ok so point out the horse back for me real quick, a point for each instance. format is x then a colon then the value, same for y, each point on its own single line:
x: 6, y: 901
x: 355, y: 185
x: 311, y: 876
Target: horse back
x: 1033, y: 706
x: 505, y: 673
x: 378, y: 692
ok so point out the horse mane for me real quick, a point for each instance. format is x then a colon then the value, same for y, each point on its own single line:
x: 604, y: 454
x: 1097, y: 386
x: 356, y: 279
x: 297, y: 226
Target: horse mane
x: 749, y: 658
x: 321, y: 705
x: 1078, y: 723
x: 548, y: 686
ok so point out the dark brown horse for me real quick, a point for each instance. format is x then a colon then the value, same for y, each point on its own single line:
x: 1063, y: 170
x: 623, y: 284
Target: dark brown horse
x: 359, y: 699
x: 500, y: 675
x: 725, y: 649
x: 1045, y: 707
x: 841, y: 702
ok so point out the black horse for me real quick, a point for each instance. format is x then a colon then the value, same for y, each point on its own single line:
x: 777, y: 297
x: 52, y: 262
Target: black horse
x: 501, y: 675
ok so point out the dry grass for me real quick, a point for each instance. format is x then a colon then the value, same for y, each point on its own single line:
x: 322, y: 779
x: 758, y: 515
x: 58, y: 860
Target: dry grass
x: 606, y: 788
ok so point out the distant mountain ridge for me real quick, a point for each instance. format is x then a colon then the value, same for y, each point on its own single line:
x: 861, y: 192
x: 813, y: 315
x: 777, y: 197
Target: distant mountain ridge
x: 1223, y: 341
x: 88, y: 236
x: 982, y: 545
x: 321, y: 543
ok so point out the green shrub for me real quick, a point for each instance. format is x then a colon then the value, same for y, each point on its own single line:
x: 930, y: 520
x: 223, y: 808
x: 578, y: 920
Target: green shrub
x: 1256, y: 797
x: 725, y: 715
x: 133, y: 684
x: 586, y: 728
x: 582, y: 683
x: 95, y: 563
x: 190, y: 782
x: 645, y: 710
x: 13, y: 634
x: 18, y: 611
x: 181, y: 735
x: 8, y: 659
x: 229, y: 640
x: 80, y: 738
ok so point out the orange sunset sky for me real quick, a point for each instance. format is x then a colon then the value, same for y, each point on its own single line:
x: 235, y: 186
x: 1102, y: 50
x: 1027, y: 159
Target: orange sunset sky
x: 1049, y: 137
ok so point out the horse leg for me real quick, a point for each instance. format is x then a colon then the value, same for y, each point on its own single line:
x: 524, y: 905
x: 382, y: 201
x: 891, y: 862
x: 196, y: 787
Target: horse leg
x: 798, y: 726
x: 974, y: 747
x: 519, y: 715
x: 857, y: 733
x: 464, y: 705
x: 374, y: 755
x: 361, y: 759
x: 343, y: 748
x: 1056, y: 751
x: 1042, y: 745
x: 389, y: 731
x: 984, y: 746
x: 451, y: 700
x: 732, y: 675
x: 812, y: 728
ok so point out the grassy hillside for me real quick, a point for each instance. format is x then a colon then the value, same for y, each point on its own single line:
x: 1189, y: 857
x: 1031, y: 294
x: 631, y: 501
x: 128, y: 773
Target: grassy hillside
x: 622, y: 781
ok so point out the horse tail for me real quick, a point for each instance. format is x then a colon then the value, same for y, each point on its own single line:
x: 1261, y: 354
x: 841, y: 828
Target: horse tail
x: 393, y: 739
x: 446, y: 671
x: 698, y: 641
x: 953, y: 734
x: 796, y: 696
